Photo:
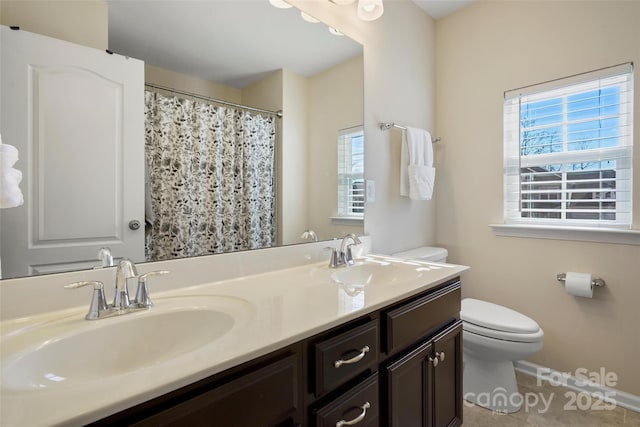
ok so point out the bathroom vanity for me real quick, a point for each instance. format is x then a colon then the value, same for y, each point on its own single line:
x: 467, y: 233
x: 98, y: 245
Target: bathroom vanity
x: 375, y: 344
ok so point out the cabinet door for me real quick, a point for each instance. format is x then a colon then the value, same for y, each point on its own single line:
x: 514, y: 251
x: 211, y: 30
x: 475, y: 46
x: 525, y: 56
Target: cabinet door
x: 265, y: 397
x: 447, y: 378
x: 408, y: 388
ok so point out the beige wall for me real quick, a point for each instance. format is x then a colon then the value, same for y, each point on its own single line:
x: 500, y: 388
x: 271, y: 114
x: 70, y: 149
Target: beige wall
x: 83, y: 22
x: 336, y: 103
x: 171, y: 79
x: 293, y: 158
x: 483, y: 50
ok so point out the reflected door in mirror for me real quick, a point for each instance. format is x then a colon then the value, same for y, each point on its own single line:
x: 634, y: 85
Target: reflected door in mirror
x: 72, y: 112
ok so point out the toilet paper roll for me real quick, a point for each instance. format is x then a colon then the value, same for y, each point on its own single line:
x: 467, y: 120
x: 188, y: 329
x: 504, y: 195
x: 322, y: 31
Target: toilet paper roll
x: 579, y: 284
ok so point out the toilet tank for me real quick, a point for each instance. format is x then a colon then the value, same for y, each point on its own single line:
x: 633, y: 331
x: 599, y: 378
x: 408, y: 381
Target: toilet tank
x: 424, y: 253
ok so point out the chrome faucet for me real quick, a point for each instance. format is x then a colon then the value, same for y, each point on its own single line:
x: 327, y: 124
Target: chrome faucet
x: 344, y: 256
x: 309, y: 234
x: 346, y: 249
x: 125, y: 270
x: 105, y: 257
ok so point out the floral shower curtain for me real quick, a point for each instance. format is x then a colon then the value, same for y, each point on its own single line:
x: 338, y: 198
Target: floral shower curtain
x: 211, y: 182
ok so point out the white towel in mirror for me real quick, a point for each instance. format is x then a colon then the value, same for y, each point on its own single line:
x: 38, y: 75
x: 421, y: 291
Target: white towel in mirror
x: 10, y: 193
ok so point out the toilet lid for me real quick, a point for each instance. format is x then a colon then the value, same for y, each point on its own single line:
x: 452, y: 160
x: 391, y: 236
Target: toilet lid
x: 494, y: 316
x: 537, y: 336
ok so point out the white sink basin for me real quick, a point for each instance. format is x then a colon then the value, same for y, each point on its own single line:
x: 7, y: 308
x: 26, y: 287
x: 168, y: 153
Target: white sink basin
x: 93, y: 350
x: 368, y: 274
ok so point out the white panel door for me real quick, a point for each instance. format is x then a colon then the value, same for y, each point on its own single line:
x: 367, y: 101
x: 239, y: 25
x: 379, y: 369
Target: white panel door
x: 76, y: 115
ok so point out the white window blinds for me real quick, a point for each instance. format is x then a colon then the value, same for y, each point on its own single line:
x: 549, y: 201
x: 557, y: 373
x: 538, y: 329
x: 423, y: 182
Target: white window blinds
x: 351, y: 172
x: 569, y: 151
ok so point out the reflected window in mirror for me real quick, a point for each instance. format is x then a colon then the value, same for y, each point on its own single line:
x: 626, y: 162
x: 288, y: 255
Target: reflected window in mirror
x: 351, y: 173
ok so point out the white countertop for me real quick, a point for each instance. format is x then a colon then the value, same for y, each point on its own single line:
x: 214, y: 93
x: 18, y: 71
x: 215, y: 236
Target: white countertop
x: 270, y: 310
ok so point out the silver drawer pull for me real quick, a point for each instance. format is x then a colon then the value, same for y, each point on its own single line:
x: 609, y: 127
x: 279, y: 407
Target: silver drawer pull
x: 354, y: 359
x: 357, y: 419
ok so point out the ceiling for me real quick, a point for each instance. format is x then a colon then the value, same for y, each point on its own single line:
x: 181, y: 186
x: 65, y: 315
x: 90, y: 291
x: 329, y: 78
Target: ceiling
x: 439, y: 8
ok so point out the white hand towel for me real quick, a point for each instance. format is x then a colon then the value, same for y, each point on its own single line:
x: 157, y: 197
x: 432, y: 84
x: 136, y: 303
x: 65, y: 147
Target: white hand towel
x: 10, y: 194
x: 421, y: 180
x: 8, y: 155
x: 417, y: 175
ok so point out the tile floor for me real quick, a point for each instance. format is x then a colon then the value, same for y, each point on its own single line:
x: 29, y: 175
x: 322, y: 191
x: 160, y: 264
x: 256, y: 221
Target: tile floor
x: 555, y: 411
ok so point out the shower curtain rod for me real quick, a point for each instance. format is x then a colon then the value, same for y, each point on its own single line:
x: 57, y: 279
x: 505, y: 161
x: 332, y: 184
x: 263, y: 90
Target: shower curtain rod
x: 278, y: 113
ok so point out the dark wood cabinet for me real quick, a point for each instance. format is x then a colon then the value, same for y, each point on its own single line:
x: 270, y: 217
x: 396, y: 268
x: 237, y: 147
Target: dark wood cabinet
x: 376, y: 370
x: 447, y: 377
x: 408, y: 381
x: 424, y: 385
x: 249, y: 400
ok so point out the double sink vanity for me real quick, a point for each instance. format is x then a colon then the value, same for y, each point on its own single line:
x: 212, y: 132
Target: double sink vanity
x: 375, y: 343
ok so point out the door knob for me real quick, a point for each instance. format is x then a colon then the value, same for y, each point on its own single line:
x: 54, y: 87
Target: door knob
x: 134, y: 224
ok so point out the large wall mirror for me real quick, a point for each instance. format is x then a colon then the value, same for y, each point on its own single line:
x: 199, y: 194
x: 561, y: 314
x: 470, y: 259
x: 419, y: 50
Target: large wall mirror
x: 247, y: 54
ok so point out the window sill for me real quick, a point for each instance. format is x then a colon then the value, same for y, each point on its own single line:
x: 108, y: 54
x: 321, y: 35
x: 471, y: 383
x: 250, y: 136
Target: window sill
x: 600, y: 235
x: 347, y: 220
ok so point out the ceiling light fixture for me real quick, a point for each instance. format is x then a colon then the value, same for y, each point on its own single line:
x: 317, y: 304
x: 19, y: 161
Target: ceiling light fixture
x: 308, y: 18
x: 370, y: 10
x: 335, y: 32
x: 281, y: 4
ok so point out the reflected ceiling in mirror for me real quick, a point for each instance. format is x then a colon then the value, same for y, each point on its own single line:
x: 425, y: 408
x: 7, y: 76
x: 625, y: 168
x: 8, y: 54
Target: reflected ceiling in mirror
x: 234, y: 43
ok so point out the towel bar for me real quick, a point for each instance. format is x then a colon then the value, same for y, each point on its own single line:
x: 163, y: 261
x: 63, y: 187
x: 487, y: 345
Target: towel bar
x: 389, y: 125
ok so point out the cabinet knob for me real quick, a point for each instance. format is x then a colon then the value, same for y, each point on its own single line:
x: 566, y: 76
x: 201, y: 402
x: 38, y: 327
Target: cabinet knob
x: 434, y: 361
x: 439, y: 357
x: 357, y: 419
x: 354, y: 359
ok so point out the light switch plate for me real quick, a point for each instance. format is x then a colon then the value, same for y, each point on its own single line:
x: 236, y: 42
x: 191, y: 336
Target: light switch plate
x: 371, y: 191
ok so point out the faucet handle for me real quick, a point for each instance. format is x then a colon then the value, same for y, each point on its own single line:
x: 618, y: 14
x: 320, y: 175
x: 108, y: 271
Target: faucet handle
x: 142, y: 293
x: 126, y: 270
x: 335, y: 260
x: 98, y: 300
x: 348, y: 254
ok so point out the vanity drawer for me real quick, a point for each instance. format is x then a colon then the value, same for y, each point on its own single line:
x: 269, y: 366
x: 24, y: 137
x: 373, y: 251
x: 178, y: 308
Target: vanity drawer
x: 342, y: 357
x: 411, y: 321
x: 359, y: 403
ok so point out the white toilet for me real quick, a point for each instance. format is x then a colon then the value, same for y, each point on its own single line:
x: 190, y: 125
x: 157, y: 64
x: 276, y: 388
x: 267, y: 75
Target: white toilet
x: 493, y: 338
x: 424, y: 253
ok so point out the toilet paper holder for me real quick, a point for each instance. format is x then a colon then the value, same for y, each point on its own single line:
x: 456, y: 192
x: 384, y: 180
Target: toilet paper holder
x: 562, y: 277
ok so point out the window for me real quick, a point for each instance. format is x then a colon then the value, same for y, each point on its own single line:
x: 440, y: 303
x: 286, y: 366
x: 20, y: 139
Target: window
x: 351, y: 173
x: 568, y: 151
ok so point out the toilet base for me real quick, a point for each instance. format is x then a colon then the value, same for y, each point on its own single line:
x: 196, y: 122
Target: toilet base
x: 491, y: 384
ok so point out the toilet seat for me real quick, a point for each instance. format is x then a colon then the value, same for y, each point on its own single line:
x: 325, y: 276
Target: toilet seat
x: 495, y: 321
x: 502, y: 335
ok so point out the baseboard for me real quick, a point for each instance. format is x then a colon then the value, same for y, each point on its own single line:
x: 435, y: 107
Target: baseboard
x: 620, y: 398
